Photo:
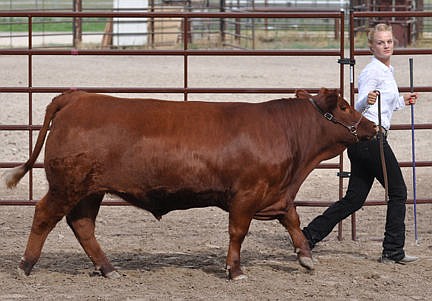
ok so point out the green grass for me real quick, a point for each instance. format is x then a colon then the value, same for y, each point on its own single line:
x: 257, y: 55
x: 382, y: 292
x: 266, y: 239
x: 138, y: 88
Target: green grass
x: 50, y: 24
x: 52, y: 4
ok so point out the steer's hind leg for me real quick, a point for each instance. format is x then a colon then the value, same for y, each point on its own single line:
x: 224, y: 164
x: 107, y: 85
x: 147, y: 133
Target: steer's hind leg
x: 291, y: 222
x: 82, y: 221
x: 47, y: 214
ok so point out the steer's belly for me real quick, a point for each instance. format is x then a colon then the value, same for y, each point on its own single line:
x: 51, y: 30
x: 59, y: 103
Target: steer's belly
x: 161, y: 201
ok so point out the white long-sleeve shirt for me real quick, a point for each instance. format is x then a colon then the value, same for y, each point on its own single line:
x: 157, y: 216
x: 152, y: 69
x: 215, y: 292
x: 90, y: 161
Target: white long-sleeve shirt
x: 378, y: 76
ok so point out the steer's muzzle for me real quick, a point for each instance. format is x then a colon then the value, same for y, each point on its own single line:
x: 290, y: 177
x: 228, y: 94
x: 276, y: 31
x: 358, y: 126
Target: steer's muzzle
x: 370, y: 133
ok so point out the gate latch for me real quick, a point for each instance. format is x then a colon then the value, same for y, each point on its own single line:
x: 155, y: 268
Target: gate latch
x: 347, y: 61
x: 344, y: 174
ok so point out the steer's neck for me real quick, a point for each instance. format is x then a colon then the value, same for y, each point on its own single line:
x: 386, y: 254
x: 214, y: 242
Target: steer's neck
x: 318, y: 141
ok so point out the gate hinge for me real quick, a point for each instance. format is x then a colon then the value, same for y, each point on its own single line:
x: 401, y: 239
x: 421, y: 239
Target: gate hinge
x: 347, y: 61
x: 344, y: 174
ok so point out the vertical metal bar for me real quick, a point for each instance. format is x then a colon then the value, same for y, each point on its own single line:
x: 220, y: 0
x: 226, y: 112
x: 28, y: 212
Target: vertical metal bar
x: 152, y: 24
x: 351, y: 49
x: 30, y: 100
x: 342, y: 53
x: 411, y: 67
x: 77, y: 24
x: 266, y: 26
x: 253, y: 33
x: 237, y: 30
x: 351, y: 38
x: 222, y: 21
x: 185, y: 57
x: 341, y: 84
x: 340, y: 227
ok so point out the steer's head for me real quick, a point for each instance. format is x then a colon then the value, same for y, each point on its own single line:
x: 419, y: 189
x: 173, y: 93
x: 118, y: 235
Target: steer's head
x: 339, y: 112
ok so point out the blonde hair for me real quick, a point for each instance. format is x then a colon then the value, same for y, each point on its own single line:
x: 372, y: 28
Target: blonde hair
x: 378, y: 27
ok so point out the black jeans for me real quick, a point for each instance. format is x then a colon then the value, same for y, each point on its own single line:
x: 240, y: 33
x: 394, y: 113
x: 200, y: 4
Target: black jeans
x: 365, y: 167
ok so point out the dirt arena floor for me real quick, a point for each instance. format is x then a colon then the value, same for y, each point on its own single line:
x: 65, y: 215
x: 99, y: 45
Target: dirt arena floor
x: 182, y: 256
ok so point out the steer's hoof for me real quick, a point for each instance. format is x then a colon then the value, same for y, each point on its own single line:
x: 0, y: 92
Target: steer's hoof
x: 113, y: 275
x: 21, y: 273
x: 239, y: 277
x: 24, y: 267
x: 306, y: 262
x: 235, y: 275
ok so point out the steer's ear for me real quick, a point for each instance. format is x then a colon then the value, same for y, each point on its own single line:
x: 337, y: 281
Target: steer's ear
x: 323, y: 91
x: 329, y: 98
x: 302, y: 94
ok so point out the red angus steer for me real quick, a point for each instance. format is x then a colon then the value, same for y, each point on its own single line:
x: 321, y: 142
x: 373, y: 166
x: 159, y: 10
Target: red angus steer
x: 248, y: 159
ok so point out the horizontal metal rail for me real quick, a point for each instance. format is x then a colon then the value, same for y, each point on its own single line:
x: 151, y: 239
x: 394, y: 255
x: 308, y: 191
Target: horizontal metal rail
x: 180, y: 15
x: 171, y: 52
x: 369, y: 14
x: 120, y: 202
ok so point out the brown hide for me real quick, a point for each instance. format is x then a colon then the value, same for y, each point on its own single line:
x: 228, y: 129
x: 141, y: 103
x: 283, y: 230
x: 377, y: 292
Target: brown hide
x: 154, y: 152
x: 246, y: 158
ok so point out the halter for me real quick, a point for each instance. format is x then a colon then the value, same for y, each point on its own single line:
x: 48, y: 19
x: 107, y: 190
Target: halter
x: 329, y: 116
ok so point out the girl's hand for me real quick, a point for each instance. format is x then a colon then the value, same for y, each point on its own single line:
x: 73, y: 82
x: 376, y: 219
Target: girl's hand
x: 410, y: 98
x: 372, y: 97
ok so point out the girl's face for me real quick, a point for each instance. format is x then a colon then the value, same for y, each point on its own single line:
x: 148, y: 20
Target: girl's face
x: 382, y: 46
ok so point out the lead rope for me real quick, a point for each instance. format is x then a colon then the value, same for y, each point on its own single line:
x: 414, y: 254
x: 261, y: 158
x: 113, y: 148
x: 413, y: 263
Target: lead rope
x: 381, y: 147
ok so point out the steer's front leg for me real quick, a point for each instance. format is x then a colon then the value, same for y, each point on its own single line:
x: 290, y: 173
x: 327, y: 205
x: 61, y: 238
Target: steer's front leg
x: 238, y: 228
x: 291, y: 222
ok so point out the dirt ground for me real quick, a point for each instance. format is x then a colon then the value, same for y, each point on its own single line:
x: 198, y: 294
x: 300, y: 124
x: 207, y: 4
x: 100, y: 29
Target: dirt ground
x: 182, y: 256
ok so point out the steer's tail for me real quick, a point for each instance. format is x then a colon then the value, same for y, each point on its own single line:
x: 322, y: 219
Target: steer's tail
x: 14, y: 175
